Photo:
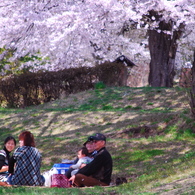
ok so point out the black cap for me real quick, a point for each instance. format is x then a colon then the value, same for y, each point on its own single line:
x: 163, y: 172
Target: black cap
x: 98, y: 136
x: 89, y: 139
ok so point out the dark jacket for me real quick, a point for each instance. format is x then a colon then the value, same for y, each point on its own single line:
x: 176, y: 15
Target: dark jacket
x: 100, y: 168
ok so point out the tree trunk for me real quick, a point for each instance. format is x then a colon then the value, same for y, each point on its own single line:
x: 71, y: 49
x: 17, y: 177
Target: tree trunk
x: 163, y: 47
x: 192, y: 90
x: 159, y: 45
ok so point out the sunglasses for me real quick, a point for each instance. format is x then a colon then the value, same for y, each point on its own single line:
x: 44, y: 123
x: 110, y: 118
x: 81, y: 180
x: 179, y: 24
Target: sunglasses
x: 95, y: 141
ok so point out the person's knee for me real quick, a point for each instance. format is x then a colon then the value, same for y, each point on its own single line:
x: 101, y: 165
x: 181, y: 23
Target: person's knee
x: 79, y: 180
x: 9, y: 180
x: 79, y: 176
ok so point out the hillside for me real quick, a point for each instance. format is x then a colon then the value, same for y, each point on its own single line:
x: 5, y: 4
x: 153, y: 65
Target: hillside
x: 149, y: 130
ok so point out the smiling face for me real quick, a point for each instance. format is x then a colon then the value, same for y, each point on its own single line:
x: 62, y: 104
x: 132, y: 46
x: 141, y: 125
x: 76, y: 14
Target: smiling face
x: 10, y: 145
x: 99, y: 144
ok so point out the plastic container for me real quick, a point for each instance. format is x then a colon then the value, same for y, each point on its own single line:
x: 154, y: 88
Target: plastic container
x: 62, y: 167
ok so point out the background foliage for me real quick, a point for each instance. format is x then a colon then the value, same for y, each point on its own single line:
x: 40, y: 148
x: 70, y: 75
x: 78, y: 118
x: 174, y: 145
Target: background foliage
x: 30, y: 88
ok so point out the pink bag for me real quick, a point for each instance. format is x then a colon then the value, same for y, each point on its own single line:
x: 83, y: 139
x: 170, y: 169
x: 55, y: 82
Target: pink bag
x: 60, y: 181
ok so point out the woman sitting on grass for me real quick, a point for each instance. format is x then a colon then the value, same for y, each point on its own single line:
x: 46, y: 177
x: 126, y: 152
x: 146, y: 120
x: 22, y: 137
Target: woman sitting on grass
x: 9, y: 145
x: 27, y: 162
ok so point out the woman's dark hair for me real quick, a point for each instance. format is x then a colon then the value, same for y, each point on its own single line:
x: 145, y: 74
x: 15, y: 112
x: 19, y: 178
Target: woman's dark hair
x: 84, y: 151
x: 8, y: 139
x: 28, y: 138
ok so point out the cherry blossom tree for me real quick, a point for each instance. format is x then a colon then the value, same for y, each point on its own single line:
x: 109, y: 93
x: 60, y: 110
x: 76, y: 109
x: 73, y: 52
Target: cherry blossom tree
x: 84, y: 32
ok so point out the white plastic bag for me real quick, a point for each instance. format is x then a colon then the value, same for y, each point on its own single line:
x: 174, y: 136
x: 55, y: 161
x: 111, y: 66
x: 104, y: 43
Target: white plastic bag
x: 47, y: 175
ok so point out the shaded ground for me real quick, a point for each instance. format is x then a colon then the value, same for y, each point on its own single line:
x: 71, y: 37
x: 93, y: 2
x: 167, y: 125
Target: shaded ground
x: 136, y: 122
x: 181, y: 186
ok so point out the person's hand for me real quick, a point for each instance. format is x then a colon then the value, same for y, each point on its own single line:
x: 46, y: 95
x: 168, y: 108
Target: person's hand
x: 72, y: 179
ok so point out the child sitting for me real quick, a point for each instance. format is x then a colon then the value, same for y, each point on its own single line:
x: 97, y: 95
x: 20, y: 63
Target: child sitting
x: 83, y: 159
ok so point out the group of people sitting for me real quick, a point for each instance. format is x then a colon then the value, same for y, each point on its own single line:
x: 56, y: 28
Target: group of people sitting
x: 23, y: 167
x: 93, y: 167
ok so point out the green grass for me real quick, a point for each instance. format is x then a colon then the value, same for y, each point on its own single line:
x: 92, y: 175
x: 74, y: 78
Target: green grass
x: 148, y: 161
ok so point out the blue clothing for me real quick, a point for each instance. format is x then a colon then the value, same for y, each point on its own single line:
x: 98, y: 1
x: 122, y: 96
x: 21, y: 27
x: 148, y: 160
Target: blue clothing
x: 27, y: 170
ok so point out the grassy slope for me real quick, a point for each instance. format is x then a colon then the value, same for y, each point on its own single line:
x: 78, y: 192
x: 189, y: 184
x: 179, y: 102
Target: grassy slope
x: 153, y: 162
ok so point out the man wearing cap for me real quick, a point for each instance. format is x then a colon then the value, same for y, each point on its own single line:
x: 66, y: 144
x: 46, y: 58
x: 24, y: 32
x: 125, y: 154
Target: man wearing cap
x: 99, y: 171
x: 89, y: 144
